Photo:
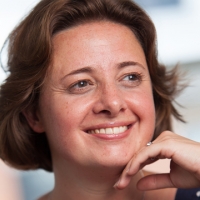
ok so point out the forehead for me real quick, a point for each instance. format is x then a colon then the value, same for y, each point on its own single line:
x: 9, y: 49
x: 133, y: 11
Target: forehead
x: 96, y: 43
x: 97, y: 32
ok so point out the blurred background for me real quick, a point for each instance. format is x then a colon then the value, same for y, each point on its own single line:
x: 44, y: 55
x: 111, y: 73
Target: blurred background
x: 178, y: 32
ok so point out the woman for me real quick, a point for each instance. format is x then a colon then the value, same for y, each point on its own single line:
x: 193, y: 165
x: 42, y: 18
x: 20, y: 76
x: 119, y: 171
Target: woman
x: 84, y: 97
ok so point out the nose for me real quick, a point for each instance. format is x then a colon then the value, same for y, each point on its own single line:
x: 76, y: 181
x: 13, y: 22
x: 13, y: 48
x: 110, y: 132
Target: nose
x: 110, y: 102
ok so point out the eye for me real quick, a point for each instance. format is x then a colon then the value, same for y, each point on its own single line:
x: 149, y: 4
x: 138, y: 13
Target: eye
x: 80, y: 86
x: 132, y: 79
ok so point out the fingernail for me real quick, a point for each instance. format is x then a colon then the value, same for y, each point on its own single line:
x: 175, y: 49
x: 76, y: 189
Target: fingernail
x: 128, y: 168
x: 117, y: 183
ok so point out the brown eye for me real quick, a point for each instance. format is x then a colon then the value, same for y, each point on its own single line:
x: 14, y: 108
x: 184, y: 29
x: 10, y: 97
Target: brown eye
x: 132, y: 80
x: 80, y: 86
x: 131, y: 77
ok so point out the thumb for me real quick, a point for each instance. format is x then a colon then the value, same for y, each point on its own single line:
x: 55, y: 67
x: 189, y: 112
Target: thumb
x: 155, y: 181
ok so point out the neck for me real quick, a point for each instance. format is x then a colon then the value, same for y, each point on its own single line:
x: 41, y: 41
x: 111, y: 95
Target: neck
x: 91, y: 184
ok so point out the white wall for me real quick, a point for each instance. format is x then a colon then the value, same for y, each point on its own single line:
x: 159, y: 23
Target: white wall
x: 11, y: 12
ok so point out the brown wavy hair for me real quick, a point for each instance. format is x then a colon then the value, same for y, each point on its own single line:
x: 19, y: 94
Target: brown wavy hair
x: 29, y: 58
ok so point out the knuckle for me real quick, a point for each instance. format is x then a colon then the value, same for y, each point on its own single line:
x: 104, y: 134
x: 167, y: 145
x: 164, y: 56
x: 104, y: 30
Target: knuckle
x: 167, y: 136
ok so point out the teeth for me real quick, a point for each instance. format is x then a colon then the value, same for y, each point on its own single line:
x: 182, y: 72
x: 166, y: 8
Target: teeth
x: 97, y: 131
x: 115, y: 130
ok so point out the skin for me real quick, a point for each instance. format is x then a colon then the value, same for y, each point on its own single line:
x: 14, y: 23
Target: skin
x: 116, y: 92
x: 184, y: 166
x: 99, y: 79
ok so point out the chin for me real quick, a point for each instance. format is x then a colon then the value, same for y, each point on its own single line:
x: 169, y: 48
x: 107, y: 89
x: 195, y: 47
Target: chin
x: 116, y: 161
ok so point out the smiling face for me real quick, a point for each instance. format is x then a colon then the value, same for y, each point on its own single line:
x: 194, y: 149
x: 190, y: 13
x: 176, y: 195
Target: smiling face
x: 97, y: 106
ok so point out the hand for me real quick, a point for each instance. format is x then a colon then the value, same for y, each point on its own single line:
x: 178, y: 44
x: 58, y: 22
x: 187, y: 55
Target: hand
x: 184, y: 166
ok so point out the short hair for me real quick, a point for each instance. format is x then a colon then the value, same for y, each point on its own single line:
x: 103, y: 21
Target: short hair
x: 29, y: 57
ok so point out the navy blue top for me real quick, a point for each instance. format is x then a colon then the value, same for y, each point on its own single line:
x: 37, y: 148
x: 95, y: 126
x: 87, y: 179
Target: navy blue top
x: 188, y: 194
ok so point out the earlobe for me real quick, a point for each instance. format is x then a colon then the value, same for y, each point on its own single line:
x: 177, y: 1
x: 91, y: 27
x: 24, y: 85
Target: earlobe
x: 34, y: 120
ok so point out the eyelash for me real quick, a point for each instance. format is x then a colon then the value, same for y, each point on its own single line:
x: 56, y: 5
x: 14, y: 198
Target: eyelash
x: 75, y: 87
x: 137, y: 79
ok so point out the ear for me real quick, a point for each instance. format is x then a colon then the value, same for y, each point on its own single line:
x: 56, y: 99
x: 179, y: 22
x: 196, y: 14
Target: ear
x: 34, y: 119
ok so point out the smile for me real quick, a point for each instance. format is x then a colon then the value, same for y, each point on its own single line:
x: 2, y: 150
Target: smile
x: 109, y: 131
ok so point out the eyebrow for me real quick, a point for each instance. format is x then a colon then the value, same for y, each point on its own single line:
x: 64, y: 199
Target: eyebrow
x: 129, y: 63
x: 81, y: 70
x: 78, y: 71
x: 89, y: 69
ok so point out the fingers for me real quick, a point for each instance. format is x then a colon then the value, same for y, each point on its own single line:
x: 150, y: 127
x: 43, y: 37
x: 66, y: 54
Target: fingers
x: 141, y: 159
x: 184, y: 166
x: 122, y: 182
x: 156, y: 181
x: 147, y: 155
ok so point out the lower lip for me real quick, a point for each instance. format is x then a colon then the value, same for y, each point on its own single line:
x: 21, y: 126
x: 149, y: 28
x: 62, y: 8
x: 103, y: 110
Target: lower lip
x: 112, y: 136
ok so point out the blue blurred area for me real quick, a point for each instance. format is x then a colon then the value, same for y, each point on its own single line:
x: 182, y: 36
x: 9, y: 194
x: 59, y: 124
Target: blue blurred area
x: 157, y: 3
x: 36, y: 183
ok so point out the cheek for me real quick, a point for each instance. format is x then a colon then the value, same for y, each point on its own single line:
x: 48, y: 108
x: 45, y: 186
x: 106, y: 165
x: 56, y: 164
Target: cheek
x: 142, y: 102
x: 61, y: 115
x: 147, y: 108
x: 142, y: 105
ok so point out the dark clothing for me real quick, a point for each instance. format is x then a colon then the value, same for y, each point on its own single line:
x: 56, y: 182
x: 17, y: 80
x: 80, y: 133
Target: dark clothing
x: 188, y: 194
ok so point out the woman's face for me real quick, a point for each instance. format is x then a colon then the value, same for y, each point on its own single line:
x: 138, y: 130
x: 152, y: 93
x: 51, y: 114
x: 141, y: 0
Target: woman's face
x: 97, y: 106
